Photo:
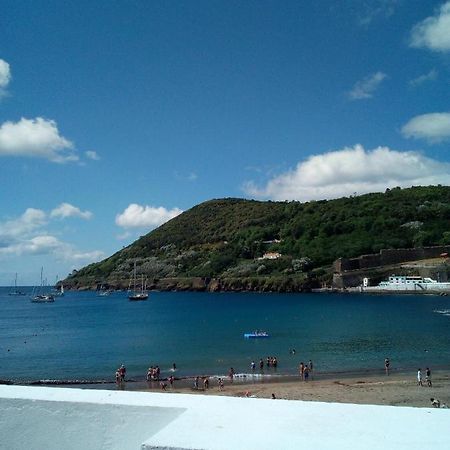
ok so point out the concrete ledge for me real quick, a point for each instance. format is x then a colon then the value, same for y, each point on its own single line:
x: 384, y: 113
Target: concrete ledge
x: 36, y: 418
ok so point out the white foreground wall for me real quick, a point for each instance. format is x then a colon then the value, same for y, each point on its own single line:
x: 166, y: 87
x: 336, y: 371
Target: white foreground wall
x: 38, y: 418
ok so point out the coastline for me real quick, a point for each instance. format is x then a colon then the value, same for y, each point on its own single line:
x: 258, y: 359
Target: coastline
x: 396, y: 389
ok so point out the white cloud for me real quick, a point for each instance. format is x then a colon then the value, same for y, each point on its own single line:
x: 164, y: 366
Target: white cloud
x: 92, y: 155
x: 36, y: 138
x: 352, y: 170
x: 67, y: 210
x: 430, y: 76
x: 433, y: 127
x: 83, y: 257
x: 29, y: 221
x: 366, y: 87
x: 26, y: 235
x: 433, y: 32
x: 50, y: 245
x: 191, y: 176
x: 37, y: 245
x: 5, y: 76
x: 124, y: 236
x: 136, y: 216
x: 373, y: 9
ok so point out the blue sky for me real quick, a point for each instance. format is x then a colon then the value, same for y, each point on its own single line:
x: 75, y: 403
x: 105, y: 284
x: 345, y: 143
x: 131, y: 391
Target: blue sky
x: 116, y: 116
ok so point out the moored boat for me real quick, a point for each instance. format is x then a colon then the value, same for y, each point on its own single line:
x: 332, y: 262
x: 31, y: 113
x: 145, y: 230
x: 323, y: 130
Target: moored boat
x: 38, y: 296
x: 43, y: 298
x: 135, y: 294
x: 400, y: 283
x: 15, y: 292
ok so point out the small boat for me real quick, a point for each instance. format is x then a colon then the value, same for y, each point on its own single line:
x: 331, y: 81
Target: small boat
x: 104, y: 293
x: 43, y: 298
x: 256, y: 334
x: 38, y: 296
x: 58, y: 292
x: 15, y: 292
x: 137, y: 295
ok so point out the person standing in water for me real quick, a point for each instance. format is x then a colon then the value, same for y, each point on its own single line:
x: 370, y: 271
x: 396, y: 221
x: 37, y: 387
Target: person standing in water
x: 231, y: 374
x: 387, y: 364
x: 419, y: 377
x: 428, y: 377
x: 301, y: 370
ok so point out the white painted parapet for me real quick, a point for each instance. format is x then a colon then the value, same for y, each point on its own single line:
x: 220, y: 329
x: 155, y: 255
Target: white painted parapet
x: 39, y: 418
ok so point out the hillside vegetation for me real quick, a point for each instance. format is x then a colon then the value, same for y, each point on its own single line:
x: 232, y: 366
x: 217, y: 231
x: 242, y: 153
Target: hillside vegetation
x: 224, y: 238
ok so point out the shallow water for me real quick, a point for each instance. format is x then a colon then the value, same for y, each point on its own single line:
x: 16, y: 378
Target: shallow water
x: 84, y: 336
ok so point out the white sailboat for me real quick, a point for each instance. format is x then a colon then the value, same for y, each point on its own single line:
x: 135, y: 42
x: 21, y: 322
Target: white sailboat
x: 136, y: 295
x: 58, y: 292
x: 104, y: 292
x: 39, y: 296
x: 15, y: 292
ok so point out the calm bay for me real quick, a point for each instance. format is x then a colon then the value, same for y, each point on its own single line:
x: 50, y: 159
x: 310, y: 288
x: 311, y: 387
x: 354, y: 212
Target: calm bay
x: 84, y: 336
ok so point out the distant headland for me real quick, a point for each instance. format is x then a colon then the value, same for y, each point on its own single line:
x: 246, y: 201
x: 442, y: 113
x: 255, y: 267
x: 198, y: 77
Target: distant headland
x: 246, y: 245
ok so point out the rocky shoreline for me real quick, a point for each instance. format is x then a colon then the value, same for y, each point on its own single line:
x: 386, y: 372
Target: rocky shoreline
x: 197, y: 284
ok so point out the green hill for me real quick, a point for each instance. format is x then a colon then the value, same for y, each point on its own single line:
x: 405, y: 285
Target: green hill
x: 224, y: 239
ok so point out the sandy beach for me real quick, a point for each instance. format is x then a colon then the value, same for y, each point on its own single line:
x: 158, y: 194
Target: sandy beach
x: 395, y: 389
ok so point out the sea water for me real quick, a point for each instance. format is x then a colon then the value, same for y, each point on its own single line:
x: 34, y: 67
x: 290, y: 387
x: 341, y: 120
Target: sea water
x: 86, y: 336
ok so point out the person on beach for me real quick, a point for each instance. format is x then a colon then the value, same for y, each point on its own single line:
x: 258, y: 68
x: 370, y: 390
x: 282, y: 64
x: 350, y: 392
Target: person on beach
x: 231, y: 374
x: 301, y: 370
x: 253, y: 365
x: 435, y: 403
x: 171, y: 380
x: 196, y: 383
x: 122, y: 371
x: 428, y: 377
x: 220, y: 381
x: 206, y: 383
x: 387, y: 363
x: 163, y: 385
x: 306, y: 373
x: 419, y: 377
x: 273, y: 396
x: 261, y: 364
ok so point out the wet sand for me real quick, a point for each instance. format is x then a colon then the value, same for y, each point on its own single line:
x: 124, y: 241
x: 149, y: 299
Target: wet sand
x: 395, y: 389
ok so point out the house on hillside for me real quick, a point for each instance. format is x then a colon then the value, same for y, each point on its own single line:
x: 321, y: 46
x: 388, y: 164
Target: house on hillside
x: 270, y: 255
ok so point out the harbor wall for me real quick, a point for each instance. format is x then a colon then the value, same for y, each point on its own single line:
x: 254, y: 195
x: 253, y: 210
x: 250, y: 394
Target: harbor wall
x: 387, y: 257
